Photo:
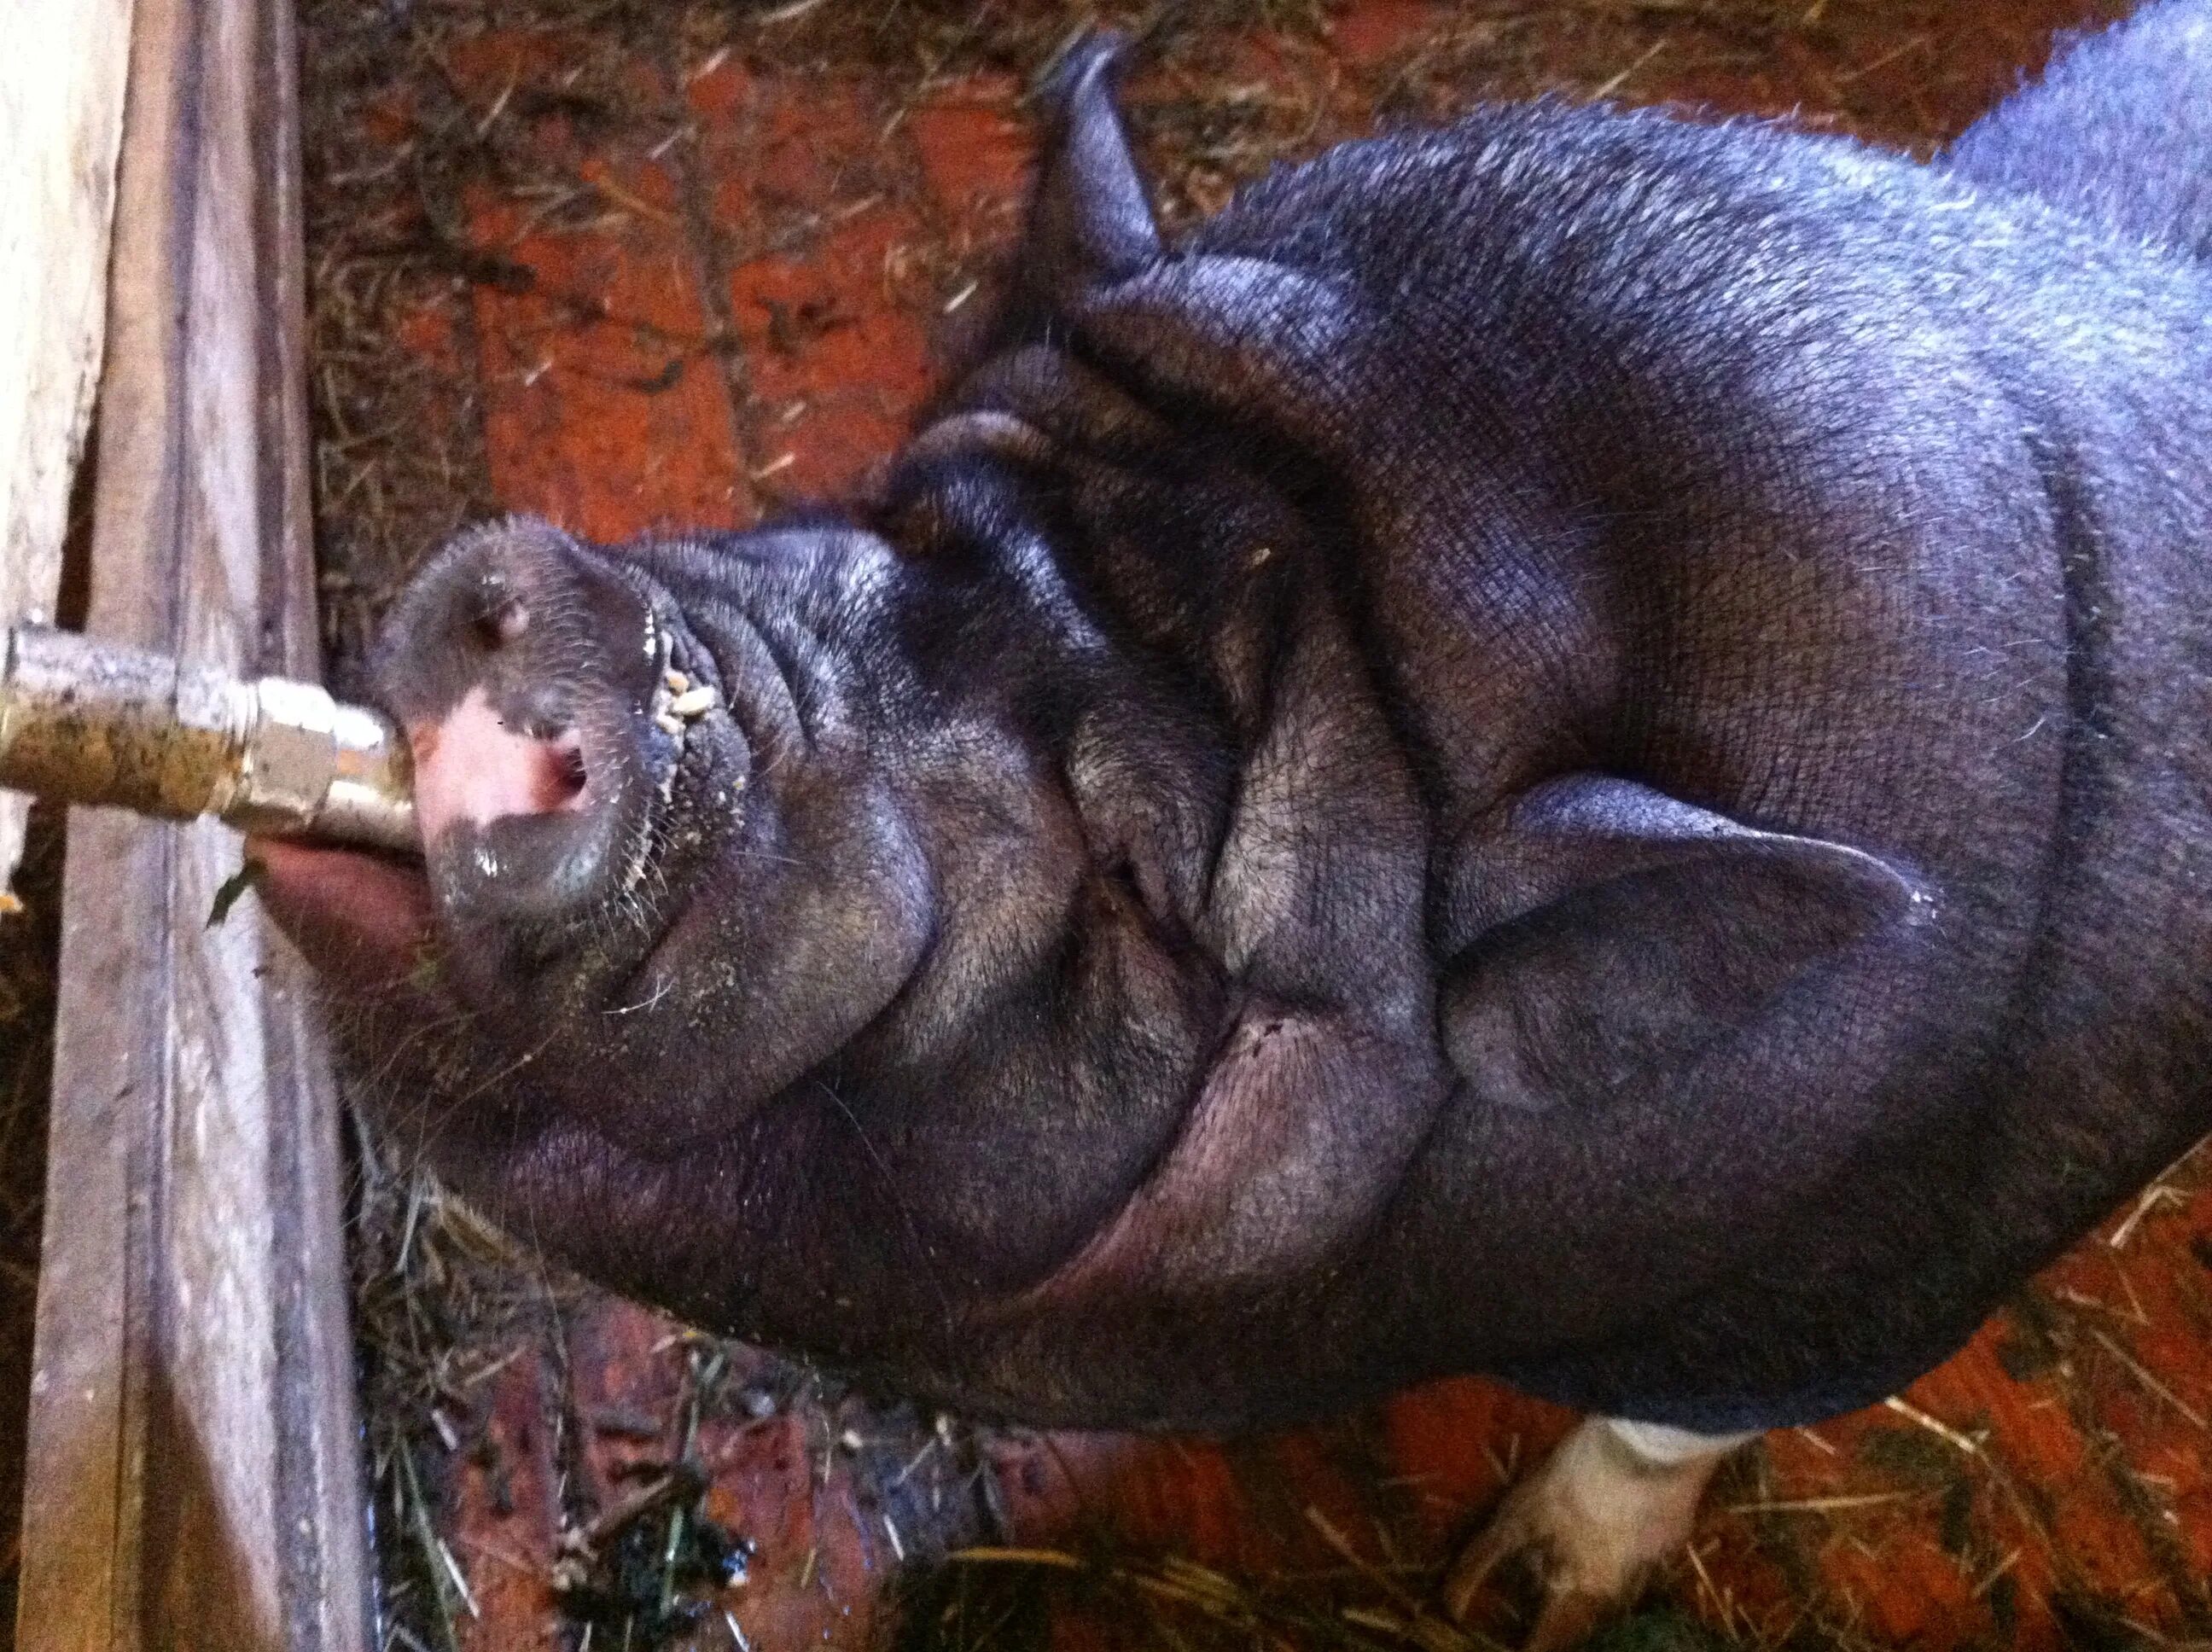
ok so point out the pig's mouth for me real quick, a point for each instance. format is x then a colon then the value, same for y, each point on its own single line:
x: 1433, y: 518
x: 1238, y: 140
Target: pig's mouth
x: 560, y: 814
x: 564, y: 726
x: 522, y: 827
x: 474, y: 768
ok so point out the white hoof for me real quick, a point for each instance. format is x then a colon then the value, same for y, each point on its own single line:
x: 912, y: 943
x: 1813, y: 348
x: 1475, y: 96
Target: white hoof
x: 1614, y: 1501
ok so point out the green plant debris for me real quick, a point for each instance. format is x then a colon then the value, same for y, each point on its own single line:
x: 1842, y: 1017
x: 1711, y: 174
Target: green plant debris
x: 248, y: 876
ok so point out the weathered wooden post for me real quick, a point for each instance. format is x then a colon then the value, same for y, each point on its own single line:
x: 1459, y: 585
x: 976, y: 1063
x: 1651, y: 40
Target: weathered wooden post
x: 193, y: 1475
x: 61, y: 114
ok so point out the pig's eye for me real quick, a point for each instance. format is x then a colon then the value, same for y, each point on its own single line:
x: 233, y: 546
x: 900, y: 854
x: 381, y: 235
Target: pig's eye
x: 502, y: 621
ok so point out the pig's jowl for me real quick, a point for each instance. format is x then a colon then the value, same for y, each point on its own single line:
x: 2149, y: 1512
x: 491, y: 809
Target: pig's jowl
x: 1578, y: 747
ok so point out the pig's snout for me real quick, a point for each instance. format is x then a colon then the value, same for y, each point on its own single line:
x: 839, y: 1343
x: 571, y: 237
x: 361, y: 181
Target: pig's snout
x: 527, y: 672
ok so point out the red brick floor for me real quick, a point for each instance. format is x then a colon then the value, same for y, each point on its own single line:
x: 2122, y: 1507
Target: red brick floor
x: 728, y: 296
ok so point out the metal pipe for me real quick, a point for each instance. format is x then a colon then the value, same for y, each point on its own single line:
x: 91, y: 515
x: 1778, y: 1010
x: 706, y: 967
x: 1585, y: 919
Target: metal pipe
x: 92, y: 722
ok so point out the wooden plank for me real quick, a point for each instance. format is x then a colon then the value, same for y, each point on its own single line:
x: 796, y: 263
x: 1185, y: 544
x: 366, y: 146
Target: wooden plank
x: 61, y: 116
x: 192, y: 1469
x: 320, y: 1512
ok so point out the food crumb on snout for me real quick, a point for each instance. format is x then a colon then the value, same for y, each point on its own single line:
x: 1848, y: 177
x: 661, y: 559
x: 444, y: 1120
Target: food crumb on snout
x: 678, y: 701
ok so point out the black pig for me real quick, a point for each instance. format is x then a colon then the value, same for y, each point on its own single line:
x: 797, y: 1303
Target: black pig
x: 1578, y: 747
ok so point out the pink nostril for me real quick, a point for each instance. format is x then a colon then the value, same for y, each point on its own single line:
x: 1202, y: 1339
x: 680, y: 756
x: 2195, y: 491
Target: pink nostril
x: 471, y: 766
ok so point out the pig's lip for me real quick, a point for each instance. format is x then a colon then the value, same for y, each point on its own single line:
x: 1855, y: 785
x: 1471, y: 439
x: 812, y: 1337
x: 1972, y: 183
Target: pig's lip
x: 360, y: 918
x: 687, y: 771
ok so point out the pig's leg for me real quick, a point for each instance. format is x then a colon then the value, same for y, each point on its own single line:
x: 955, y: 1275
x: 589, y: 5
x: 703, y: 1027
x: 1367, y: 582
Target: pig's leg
x: 1613, y: 1501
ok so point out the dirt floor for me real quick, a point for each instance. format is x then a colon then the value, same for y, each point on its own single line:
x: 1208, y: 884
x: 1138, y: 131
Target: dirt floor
x: 633, y: 263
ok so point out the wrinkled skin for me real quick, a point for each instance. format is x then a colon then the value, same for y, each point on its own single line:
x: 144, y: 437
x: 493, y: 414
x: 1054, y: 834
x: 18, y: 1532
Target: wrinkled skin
x: 1578, y: 747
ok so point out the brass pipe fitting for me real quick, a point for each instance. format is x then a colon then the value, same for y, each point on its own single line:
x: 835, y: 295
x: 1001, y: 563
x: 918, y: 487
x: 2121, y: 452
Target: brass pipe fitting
x: 92, y: 722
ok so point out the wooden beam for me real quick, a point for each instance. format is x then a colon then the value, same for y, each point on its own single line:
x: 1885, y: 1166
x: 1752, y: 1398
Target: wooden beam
x: 192, y: 1474
x: 61, y: 114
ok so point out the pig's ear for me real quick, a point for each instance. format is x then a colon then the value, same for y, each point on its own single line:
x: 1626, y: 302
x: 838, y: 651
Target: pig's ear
x: 1090, y: 220
x: 1617, y: 934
